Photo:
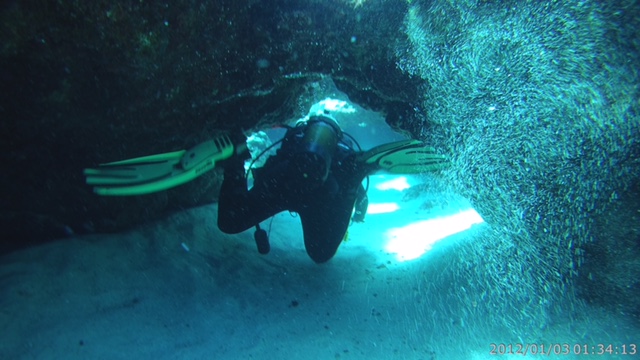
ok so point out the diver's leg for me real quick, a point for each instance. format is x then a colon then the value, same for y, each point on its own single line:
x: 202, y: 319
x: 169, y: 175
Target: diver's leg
x: 362, y: 203
x: 233, y: 197
x: 325, y: 221
x: 324, y: 229
x: 240, y: 209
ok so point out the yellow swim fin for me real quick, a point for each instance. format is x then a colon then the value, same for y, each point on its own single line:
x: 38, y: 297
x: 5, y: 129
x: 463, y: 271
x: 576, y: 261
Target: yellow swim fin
x: 159, y: 172
x: 405, y: 157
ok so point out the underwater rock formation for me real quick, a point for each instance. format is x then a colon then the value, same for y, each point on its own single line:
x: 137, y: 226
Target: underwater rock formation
x: 87, y: 83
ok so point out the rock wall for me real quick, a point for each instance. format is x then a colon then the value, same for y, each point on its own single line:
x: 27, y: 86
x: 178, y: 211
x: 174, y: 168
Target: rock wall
x: 99, y: 81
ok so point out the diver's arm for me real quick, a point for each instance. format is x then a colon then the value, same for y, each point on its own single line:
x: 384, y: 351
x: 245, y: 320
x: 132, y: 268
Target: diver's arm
x: 362, y: 203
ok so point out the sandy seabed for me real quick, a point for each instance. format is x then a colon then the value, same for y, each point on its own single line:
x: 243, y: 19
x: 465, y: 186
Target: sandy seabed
x: 181, y: 289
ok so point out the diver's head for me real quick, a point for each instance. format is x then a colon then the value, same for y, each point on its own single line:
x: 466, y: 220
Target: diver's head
x: 319, y: 115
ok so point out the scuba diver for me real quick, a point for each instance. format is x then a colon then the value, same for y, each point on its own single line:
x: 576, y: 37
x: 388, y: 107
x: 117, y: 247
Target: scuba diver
x: 316, y: 173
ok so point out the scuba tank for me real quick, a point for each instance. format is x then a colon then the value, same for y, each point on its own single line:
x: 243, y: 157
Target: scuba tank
x: 317, y: 146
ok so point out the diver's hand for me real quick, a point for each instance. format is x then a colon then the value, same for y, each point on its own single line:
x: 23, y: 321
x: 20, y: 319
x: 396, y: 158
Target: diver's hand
x: 358, y: 217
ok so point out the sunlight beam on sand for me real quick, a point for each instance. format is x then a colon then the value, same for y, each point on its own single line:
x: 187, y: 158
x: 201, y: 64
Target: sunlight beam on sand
x: 414, y: 240
x: 382, y: 208
x: 399, y: 183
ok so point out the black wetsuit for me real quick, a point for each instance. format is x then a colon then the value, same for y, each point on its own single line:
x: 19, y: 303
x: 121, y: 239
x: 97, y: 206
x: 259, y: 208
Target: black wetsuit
x: 325, y: 207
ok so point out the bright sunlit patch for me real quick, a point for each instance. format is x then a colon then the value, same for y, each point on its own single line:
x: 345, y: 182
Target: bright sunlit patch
x: 414, y: 240
x: 382, y: 208
x: 400, y: 183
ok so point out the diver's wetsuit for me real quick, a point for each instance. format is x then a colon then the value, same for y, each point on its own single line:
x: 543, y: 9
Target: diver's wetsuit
x: 324, y: 207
